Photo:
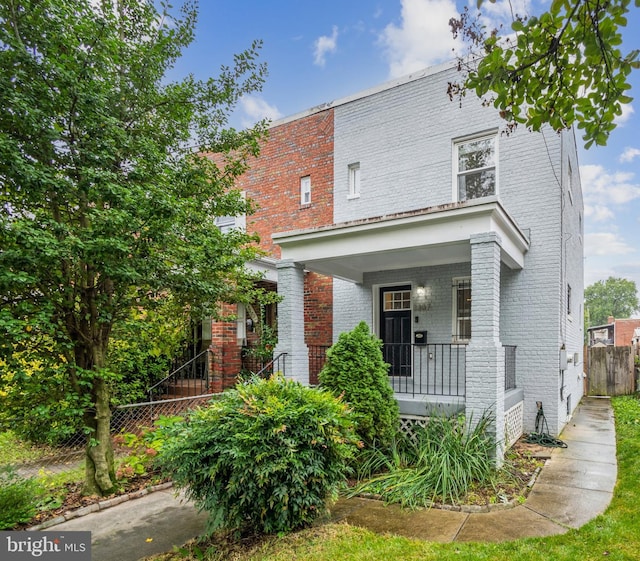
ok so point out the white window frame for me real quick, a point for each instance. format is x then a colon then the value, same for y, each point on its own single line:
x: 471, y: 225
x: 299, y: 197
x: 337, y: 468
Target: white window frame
x: 225, y: 223
x: 228, y: 223
x: 457, y: 143
x: 457, y: 282
x: 305, y: 190
x: 354, y: 180
x: 570, y: 181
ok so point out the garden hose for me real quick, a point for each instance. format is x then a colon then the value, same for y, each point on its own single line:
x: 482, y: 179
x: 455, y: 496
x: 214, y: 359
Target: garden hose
x: 539, y: 436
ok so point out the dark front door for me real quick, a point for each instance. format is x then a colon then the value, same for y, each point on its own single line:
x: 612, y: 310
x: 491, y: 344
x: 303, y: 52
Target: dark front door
x: 395, y: 328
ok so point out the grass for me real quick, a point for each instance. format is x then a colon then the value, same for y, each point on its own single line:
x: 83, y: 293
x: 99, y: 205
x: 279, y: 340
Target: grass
x: 441, y: 463
x: 13, y: 450
x: 614, y: 535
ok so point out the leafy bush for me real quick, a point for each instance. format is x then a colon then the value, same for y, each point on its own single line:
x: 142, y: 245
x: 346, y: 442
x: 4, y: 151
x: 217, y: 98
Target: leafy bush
x: 18, y: 498
x: 265, y: 456
x: 355, y: 369
x: 143, y: 447
x: 441, y: 462
x: 142, y: 348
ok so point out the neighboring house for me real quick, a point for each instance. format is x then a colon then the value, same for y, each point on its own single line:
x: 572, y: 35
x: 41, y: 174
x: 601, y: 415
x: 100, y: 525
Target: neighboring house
x: 616, y: 332
x: 460, y: 246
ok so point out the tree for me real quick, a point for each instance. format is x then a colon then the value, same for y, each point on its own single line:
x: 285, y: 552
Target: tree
x: 560, y: 68
x: 107, y: 202
x: 613, y: 297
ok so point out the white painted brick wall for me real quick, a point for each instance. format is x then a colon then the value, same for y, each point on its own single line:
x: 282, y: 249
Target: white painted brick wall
x: 402, y: 138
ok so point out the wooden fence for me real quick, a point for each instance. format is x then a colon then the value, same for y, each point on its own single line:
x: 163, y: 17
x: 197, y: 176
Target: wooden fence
x: 611, y: 371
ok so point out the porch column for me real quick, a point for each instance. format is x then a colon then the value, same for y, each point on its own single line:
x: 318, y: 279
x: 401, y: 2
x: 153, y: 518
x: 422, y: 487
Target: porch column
x: 485, y: 355
x: 291, y: 321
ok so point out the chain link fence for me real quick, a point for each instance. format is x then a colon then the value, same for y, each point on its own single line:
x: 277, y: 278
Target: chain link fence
x: 29, y: 460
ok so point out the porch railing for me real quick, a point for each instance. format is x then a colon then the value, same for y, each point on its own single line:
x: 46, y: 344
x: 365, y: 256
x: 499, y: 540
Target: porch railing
x: 509, y: 367
x: 432, y: 369
x: 317, y: 358
x: 192, y: 378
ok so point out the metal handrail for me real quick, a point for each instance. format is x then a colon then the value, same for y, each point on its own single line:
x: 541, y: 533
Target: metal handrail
x: 270, y: 364
x: 174, y: 374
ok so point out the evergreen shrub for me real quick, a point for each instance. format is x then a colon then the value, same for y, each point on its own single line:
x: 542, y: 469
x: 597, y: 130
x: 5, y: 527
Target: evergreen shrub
x: 265, y: 456
x: 355, y: 369
x: 18, y: 498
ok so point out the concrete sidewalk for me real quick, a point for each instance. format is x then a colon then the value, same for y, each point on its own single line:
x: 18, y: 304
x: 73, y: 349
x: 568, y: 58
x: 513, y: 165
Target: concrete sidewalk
x: 574, y: 486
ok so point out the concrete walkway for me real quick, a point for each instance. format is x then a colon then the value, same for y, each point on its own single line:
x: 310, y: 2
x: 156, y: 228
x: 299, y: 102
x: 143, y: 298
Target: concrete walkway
x: 574, y: 486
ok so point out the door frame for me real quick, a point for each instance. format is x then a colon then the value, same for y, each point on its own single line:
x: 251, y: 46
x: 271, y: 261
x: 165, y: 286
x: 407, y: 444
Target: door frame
x: 378, y: 312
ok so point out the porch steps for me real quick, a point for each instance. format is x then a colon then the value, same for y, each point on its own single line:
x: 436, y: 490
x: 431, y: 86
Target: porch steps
x: 184, y: 387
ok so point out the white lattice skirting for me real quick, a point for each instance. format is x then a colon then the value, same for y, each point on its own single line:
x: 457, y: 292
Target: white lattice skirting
x: 408, y: 422
x: 513, y: 424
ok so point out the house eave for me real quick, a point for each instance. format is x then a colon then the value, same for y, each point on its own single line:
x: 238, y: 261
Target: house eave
x: 431, y: 236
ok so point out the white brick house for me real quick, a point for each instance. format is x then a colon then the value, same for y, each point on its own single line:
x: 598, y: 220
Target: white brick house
x: 460, y: 246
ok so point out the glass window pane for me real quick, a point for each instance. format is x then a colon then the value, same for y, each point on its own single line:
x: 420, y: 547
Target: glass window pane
x: 400, y: 300
x: 476, y: 154
x: 476, y: 184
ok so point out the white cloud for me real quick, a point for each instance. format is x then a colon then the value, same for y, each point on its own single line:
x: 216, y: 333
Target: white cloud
x: 255, y: 108
x: 627, y: 112
x: 504, y: 11
x: 598, y: 213
x: 602, y: 188
x: 422, y: 38
x: 605, y: 244
x: 323, y: 45
x: 629, y: 154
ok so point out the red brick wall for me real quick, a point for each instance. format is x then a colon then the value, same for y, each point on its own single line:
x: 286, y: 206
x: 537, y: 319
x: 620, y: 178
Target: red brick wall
x: 318, y: 309
x: 293, y: 150
x: 227, y: 361
x: 318, y: 319
x: 624, y: 329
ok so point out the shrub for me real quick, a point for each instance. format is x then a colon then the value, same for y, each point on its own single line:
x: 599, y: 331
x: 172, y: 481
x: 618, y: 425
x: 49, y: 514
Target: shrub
x: 18, y: 498
x: 441, y: 462
x: 143, y: 447
x: 265, y: 456
x: 355, y: 369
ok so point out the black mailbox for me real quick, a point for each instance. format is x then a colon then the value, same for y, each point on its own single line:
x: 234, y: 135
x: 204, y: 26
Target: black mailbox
x: 420, y: 337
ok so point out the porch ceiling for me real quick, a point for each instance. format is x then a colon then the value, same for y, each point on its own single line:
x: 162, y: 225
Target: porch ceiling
x: 433, y: 236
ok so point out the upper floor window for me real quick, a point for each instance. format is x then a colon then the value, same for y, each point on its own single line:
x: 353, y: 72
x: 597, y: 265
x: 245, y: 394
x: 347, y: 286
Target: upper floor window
x: 305, y: 190
x: 569, y: 299
x: 461, y: 310
x: 570, y: 181
x: 475, y: 165
x: 225, y: 223
x: 354, y: 180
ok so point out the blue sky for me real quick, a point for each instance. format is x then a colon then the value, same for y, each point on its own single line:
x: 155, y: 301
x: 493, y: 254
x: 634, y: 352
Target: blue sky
x: 321, y: 50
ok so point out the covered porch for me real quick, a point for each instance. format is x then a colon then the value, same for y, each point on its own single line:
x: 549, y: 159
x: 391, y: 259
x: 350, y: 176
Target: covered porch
x: 395, y: 272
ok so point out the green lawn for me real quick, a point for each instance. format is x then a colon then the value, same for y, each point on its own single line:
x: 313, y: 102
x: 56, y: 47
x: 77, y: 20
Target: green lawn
x: 13, y: 450
x: 615, y: 535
